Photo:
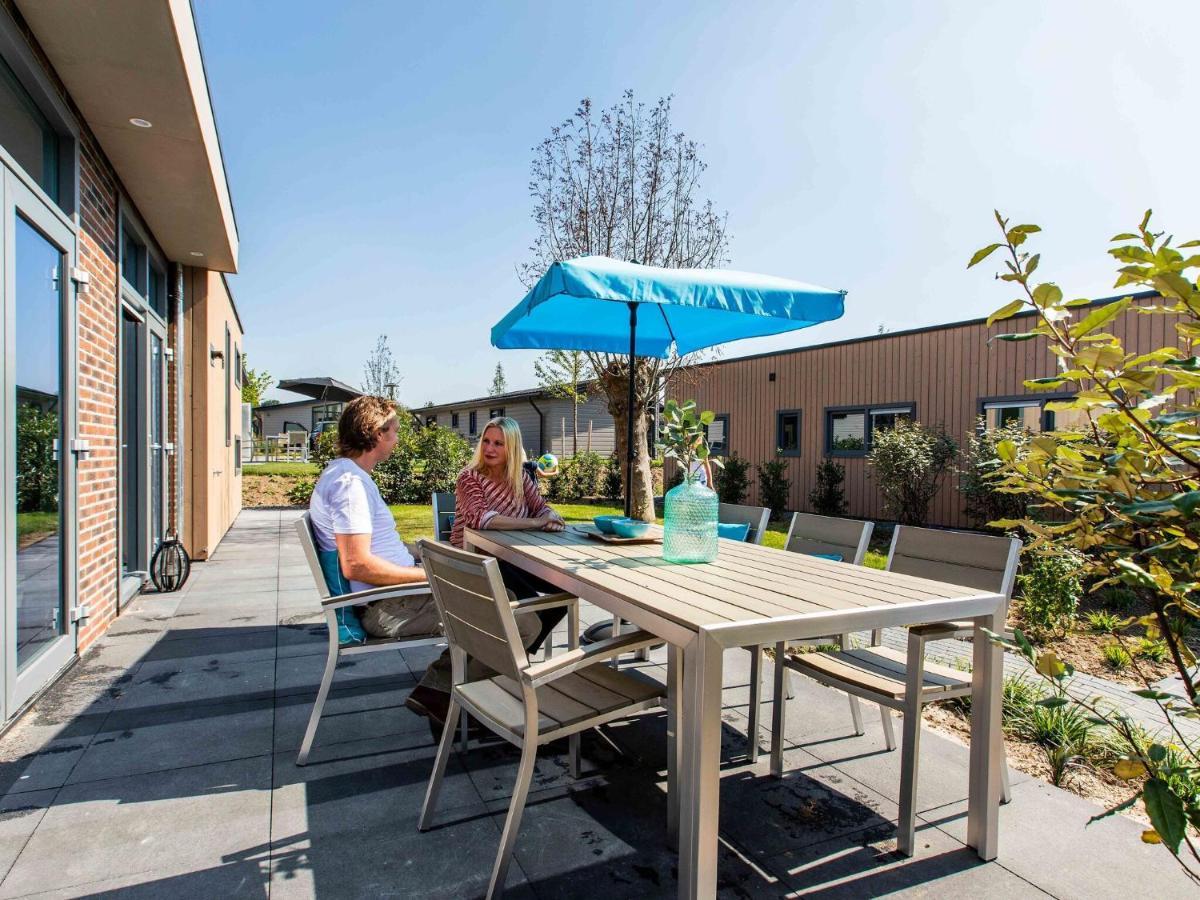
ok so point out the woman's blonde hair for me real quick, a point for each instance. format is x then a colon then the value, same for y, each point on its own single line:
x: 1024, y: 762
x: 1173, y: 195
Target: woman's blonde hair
x: 513, y: 448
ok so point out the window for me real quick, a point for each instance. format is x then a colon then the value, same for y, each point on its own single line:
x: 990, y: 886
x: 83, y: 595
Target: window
x: 471, y: 422
x: 431, y: 420
x: 453, y: 420
x: 1002, y: 413
x: 237, y: 366
x: 325, y: 412
x: 26, y: 133
x: 225, y: 364
x: 849, y: 430
x: 787, y: 432
x: 499, y: 412
x: 718, y: 435
x: 237, y: 455
x: 141, y: 272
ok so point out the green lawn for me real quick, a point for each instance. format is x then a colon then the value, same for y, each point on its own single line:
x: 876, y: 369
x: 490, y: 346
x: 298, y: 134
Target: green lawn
x: 415, y: 520
x: 281, y: 468
x: 35, y: 522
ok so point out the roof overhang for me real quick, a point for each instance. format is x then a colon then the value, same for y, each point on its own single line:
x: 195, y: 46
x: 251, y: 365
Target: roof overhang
x: 141, y: 59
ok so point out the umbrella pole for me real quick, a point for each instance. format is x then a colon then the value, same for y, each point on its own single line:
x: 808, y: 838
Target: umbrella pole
x: 629, y: 413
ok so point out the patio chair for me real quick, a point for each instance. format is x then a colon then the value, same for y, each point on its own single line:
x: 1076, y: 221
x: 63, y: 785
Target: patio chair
x: 526, y: 704
x: 297, y: 445
x: 443, y: 515
x: 906, y: 681
x: 757, y: 517
x: 845, y: 540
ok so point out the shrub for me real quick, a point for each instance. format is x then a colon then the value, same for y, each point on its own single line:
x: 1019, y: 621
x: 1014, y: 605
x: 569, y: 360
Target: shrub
x: 732, y: 481
x: 1050, y: 590
x: 1115, y: 656
x: 326, y: 448
x: 908, y: 462
x: 1119, y: 598
x: 977, y: 471
x: 611, y: 486
x: 1102, y: 622
x: 442, y: 453
x: 828, y: 496
x: 300, y: 493
x: 1155, y: 651
x: 773, y: 487
x: 579, y: 477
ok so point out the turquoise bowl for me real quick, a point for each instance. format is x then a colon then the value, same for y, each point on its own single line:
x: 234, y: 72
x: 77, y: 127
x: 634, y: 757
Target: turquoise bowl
x: 630, y: 528
x: 605, y: 523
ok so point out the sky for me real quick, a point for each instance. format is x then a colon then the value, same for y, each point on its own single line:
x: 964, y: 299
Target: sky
x: 378, y: 155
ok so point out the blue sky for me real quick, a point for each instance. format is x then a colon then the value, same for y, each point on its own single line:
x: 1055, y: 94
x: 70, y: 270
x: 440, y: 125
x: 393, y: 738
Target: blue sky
x: 378, y: 154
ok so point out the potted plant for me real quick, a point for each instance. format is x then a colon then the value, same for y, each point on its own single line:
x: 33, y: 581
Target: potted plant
x: 690, y: 508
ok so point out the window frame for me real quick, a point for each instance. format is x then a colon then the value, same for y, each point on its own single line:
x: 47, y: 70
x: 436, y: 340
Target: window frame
x: 131, y: 229
x: 497, y: 413
x: 868, y: 410
x: 1045, y: 419
x: 472, y: 422
x: 454, y: 420
x: 780, y: 414
x: 225, y: 364
x: 724, y: 419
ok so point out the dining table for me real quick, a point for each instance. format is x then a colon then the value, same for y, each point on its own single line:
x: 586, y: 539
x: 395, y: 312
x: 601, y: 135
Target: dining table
x: 752, y: 595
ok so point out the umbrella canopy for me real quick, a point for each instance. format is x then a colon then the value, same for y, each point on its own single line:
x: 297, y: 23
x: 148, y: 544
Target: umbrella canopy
x: 319, y: 388
x: 582, y: 304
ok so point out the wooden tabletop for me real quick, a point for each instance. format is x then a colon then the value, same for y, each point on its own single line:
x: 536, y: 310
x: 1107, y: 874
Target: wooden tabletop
x: 748, y: 594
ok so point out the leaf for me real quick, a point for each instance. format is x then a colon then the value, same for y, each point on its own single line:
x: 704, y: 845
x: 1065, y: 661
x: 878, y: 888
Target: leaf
x: 1005, y: 312
x: 1025, y: 229
x: 1050, y: 665
x: 1124, y: 236
x: 1187, y: 503
x: 1157, y: 753
x: 1128, y: 769
x: 1032, y: 265
x: 1150, y: 836
x: 1022, y: 336
x: 1100, y: 316
x: 1047, y: 294
x: 1189, y: 244
x: 1023, y: 643
x: 1078, y: 301
x: 1146, y: 220
x: 983, y: 253
x: 1052, y: 702
x: 1151, y: 694
x: 1165, y: 810
x: 708, y: 417
x: 1120, y: 807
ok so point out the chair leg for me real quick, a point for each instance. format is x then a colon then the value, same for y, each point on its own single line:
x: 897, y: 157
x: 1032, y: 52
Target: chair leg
x: 889, y: 733
x: 322, y: 693
x: 439, y: 767
x: 1005, y: 787
x: 778, y: 714
x: 910, y: 748
x: 464, y: 725
x: 573, y: 756
x: 789, y: 680
x: 856, y: 714
x: 513, y: 823
x: 755, y: 701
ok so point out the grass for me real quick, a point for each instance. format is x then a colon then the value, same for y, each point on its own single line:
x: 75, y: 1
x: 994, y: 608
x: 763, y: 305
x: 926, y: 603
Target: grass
x: 36, y: 523
x: 281, y: 468
x: 415, y: 520
x: 1115, y: 656
x: 1103, y: 622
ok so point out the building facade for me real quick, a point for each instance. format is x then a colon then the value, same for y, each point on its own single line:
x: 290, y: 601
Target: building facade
x: 113, y: 202
x: 547, y: 422
x: 827, y: 401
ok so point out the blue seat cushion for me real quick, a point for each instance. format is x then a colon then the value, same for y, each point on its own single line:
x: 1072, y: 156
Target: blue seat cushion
x: 733, y: 532
x: 836, y: 557
x: 350, y: 630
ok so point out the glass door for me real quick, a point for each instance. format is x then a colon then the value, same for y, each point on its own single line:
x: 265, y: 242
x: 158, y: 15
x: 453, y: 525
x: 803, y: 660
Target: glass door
x: 39, y: 471
x: 133, y: 383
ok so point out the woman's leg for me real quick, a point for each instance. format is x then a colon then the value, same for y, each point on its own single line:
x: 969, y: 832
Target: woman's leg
x: 524, y: 586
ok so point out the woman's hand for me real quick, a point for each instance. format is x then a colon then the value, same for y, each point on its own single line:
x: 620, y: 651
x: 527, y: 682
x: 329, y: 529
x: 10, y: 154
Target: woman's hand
x: 552, y: 522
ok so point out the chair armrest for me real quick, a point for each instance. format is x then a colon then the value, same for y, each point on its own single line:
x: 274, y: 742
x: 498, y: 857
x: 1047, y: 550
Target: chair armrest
x: 536, y: 604
x: 936, y: 631
x: 385, y: 592
x: 574, y: 660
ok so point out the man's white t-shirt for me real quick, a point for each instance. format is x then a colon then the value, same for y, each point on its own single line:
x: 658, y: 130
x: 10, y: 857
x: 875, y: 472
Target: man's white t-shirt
x: 346, y: 500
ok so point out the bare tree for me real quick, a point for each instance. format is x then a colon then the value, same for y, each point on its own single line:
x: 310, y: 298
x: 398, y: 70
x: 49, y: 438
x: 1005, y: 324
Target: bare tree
x: 624, y: 184
x: 561, y: 373
x: 499, y: 382
x: 381, y: 375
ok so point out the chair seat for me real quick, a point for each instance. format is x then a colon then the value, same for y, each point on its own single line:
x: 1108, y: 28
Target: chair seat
x: 880, y: 671
x: 591, y: 693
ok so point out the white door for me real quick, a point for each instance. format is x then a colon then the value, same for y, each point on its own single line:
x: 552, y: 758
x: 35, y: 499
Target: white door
x: 38, y: 412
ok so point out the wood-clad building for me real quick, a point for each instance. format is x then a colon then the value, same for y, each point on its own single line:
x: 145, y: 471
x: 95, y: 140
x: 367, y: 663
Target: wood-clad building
x: 826, y: 400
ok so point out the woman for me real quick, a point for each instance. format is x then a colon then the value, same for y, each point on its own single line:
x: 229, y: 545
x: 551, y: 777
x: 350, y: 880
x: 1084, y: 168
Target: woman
x: 495, y: 491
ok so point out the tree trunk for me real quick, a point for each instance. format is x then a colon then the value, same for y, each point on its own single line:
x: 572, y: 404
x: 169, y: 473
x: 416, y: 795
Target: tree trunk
x: 574, y: 427
x: 616, y: 391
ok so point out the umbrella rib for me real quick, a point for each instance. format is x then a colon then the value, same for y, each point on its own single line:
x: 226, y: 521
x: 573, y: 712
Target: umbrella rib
x: 663, y: 311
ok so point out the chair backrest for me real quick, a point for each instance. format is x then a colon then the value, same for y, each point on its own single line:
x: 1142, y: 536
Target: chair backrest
x: 304, y: 531
x: 754, y: 516
x: 296, y: 438
x: 443, y: 515
x: 984, y: 561
x: 473, y: 604
x: 829, y: 536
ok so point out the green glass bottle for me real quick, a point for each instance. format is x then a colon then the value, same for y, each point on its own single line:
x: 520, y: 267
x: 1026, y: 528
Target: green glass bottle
x: 690, y: 523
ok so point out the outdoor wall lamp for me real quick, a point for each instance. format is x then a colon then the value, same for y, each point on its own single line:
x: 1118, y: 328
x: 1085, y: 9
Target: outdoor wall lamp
x: 214, y: 354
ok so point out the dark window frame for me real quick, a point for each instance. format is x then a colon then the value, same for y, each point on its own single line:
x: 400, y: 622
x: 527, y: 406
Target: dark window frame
x: 723, y: 418
x: 225, y: 364
x: 780, y: 414
x: 472, y: 422
x: 453, y: 420
x: 497, y: 413
x: 1046, y: 420
x: 867, y: 410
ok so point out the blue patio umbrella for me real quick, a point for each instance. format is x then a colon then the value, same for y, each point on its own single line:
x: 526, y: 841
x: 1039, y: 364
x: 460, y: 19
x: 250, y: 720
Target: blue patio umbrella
x: 608, y: 306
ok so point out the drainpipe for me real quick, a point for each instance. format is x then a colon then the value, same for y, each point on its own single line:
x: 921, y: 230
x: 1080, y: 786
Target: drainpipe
x: 541, y: 427
x: 180, y: 394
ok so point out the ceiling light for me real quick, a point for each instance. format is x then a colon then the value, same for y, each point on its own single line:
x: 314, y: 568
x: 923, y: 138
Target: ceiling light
x: 198, y: 253
x: 140, y: 123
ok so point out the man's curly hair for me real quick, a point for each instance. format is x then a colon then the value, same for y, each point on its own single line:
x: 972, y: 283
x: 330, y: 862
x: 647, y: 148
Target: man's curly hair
x: 360, y: 424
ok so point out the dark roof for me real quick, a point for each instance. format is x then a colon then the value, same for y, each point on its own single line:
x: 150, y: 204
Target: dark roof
x: 1140, y: 295
x: 319, y: 388
x: 493, y: 399
x: 288, y: 405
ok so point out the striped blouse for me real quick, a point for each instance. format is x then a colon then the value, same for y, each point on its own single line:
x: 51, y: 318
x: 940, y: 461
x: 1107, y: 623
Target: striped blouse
x: 478, y: 500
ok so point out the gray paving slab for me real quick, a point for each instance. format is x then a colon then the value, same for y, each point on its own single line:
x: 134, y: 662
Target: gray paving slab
x: 146, y: 826
x: 357, y: 712
x: 20, y: 814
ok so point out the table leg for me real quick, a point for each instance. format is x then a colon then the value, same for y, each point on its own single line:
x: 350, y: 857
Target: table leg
x: 674, y: 741
x: 701, y: 777
x: 987, y: 749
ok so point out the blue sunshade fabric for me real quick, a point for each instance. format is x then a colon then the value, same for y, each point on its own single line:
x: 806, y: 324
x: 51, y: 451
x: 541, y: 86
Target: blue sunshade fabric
x: 581, y: 304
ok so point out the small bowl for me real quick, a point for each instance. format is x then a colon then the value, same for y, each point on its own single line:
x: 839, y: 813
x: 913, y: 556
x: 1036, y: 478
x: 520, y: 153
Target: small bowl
x: 630, y: 528
x: 605, y: 523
